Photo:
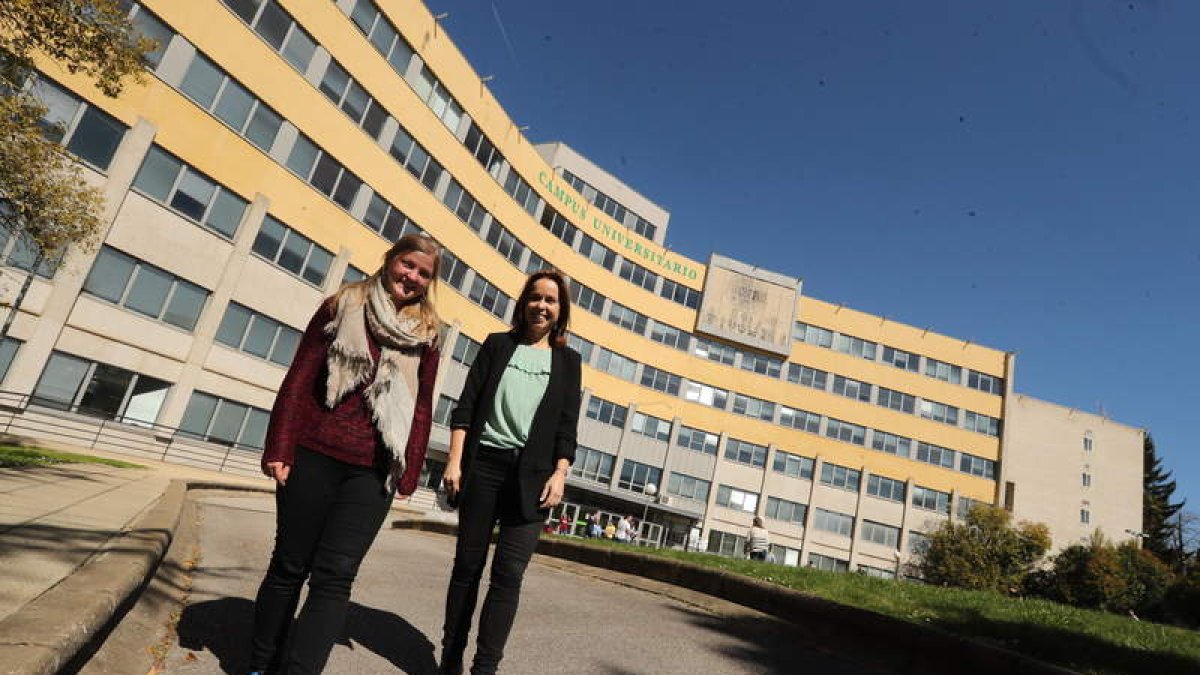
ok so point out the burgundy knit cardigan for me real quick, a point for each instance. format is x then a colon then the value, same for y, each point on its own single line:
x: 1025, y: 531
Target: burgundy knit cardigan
x: 346, y: 433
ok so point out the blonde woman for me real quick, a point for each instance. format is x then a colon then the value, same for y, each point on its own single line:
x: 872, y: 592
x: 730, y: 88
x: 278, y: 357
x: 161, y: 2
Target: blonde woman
x: 348, y: 430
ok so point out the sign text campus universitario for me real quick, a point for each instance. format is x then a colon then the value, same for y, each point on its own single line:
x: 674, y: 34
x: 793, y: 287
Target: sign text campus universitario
x: 631, y: 248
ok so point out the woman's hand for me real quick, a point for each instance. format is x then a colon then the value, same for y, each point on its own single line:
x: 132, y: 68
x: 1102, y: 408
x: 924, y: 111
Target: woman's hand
x: 277, y: 470
x: 452, y: 479
x: 552, y: 492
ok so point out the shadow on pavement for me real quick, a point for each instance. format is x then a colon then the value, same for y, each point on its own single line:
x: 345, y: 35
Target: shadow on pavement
x: 223, y: 627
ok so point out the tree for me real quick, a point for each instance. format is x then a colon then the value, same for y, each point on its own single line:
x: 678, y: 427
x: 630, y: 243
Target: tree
x: 985, y: 552
x: 1159, y: 532
x: 43, y: 196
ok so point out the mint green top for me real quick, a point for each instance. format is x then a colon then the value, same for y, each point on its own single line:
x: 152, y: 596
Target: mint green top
x: 517, y: 398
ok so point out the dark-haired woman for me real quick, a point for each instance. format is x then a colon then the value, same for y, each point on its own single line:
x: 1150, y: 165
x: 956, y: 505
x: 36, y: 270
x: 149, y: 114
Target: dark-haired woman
x: 512, y: 442
x: 348, y: 430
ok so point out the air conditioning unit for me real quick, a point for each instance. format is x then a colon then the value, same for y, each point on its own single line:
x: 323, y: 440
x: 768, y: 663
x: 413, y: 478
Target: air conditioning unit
x: 664, y: 500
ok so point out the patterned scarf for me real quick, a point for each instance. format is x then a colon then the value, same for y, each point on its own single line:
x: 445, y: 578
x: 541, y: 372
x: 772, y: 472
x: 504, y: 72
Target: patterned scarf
x: 392, y: 394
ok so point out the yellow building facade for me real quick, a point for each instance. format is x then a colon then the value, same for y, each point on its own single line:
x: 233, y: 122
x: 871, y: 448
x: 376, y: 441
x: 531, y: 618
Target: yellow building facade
x: 277, y: 147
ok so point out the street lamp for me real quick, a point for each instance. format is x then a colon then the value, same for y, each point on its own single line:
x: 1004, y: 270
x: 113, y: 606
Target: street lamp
x: 650, y: 490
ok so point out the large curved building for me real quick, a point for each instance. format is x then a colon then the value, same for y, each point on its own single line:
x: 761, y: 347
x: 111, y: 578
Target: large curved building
x: 277, y: 147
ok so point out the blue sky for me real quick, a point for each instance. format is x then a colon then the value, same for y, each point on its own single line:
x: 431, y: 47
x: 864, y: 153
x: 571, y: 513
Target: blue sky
x: 1020, y: 174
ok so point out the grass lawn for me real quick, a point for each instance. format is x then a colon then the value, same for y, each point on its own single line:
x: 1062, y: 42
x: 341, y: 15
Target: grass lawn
x: 1079, y: 639
x: 15, y: 456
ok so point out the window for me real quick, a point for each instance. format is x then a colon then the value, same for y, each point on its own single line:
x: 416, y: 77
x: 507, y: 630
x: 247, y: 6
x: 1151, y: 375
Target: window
x: 891, y: 443
x: 738, y: 500
x: 761, y: 364
x: 901, y: 359
x: 644, y: 227
x: 8, y: 352
x: 505, y: 243
x: 382, y: 35
x: 522, y: 192
x: 851, y: 388
x: 654, y: 427
x: 151, y: 27
x: 483, y: 150
x: 726, y: 543
x: 638, y: 275
x: 938, y: 412
x: 445, y: 406
x: 465, y: 350
x: 855, y: 346
x: 189, y: 193
x: 828, y: 563
x: 812, y: 335
x: 559, y: 226
x: 21, y: 251
x: 626, y: 318
x: 660, y: 380
x: 897, y: 400
x: 435, y: 95
x: 787, y: 511
x: 977, y: 466
x: 943, y: 371
x: 878, y: 533
x: 886, y: 488
x: 258, y: 334
x: 809, y: 377
x: 931, y: 500
x: 320, y: 170
x: 841, y: 477
x: 591, y: 464
x: 487, y: 296
x: 799, y: 419
x: 688, y: 487
x: 1085, y: 478
x: 387, y: 220
x: 636, y: 476
x: 795, y: 466
x: 935, y: 455
x: 918, y: 543
x: 213, y: 90
x: 99, y: 390
x: 744, y: 452
x: 986, y: 383
x: 1087, y: 441
x: 278, y: 29
x: 148, y: 290
x: 832, y: 521
x: 1085, y: 516
x: 607, y: 412
x: 222, y: 421
x: 845, y: 431
x: 413, y: 157
x: 669, y: 335
x: 680, y: 294
x: 87, y: 133
x: 452, y: 270
x: 877, y: 572
x: 753, y: 407
x: 965, y: 504
x: 534, y: 263
x: 785, y: 555
x: 697, y: 440
x: 581, y: 345
x: 352, y: 275
x: 981, y: 423
x: 586, y: 298
x: 596, y: 252
x: 292, y: 251
x: 615, y: 364
x: 714, y: 351
x: 704, y: 394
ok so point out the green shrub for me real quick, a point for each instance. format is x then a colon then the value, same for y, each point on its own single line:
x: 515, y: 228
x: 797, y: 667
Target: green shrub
x: 1100, y: 575
x: 985, y: 552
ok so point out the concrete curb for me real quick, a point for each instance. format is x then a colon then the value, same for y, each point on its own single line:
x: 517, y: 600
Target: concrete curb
x: 47, y: 633
x: 923, y: 649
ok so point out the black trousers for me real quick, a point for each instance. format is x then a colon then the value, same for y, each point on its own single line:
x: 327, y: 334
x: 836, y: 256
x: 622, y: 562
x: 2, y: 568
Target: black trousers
x: 327, y: 516
x: 491, y: 495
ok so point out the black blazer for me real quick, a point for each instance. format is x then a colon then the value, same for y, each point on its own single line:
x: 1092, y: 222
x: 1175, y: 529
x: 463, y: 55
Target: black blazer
x: 552, y: 434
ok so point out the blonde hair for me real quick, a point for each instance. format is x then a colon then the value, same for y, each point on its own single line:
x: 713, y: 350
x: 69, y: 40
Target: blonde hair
x: 430, y: 320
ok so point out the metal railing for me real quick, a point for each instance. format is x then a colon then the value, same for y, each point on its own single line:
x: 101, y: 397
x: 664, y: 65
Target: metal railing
x: 23, y: 415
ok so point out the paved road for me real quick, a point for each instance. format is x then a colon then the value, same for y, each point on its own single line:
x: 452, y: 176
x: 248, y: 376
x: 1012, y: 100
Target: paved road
x: 568, y: 622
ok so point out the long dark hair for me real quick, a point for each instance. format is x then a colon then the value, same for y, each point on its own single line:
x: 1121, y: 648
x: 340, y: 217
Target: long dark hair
x: 558, y: 332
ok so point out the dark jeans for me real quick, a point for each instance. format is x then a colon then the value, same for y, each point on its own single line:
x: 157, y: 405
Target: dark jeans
x: 491, y: 495
x: 326, y: 518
